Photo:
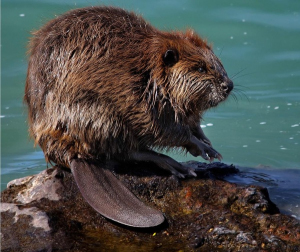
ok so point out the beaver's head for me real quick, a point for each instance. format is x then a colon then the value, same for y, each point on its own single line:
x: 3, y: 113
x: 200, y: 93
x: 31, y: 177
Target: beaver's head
x: 194, y: 78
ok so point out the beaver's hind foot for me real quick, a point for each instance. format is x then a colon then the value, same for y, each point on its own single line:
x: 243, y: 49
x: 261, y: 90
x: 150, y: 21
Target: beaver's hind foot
x: 164, y: 162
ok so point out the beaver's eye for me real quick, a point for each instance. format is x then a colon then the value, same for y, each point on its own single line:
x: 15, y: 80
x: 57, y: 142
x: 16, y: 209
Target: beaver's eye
x: 202, y: 70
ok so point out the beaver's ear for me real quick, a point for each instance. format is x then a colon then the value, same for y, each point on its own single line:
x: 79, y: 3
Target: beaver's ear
x: 171, y: 57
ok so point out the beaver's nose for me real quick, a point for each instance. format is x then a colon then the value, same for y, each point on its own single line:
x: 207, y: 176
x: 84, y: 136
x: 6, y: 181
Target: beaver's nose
x: 227, y: 86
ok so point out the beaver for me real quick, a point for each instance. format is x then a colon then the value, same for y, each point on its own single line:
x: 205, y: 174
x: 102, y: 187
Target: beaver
x: 104, y: 84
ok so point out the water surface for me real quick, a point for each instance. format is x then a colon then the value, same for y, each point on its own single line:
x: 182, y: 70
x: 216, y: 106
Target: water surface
x: 258, y: 43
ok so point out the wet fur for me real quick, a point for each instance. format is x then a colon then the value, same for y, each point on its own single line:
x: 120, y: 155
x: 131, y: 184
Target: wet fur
x: 102, y: 88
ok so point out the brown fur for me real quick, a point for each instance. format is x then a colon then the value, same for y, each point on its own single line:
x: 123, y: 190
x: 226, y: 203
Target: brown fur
x: 97, y: 85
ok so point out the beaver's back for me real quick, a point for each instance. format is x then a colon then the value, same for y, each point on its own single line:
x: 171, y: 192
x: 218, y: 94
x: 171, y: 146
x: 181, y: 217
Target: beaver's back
x: 85, y: 90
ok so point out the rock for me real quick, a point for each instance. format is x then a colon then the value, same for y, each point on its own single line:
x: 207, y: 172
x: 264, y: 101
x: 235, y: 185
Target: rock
x: 46, y: 212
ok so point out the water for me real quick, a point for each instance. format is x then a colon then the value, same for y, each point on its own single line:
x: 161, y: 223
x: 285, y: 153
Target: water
x: 258, y: 43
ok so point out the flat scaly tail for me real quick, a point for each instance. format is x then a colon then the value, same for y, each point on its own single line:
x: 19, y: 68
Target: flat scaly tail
x: 108, y: 196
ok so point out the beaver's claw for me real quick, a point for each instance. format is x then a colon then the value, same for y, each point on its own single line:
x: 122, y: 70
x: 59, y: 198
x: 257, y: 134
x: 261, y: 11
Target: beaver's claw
x: 199, y: 148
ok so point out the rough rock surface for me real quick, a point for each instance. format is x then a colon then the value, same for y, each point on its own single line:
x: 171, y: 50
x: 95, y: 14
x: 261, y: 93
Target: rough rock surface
x: 46, y: 212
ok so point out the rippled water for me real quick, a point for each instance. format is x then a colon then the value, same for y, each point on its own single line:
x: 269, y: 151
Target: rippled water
x: 258, y: 43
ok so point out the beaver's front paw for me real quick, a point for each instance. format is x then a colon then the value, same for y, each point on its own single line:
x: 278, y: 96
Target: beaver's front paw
x: 199, y: 148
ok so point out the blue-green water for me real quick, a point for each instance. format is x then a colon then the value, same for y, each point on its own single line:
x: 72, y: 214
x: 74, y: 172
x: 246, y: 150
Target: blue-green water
x: 259, y: 45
